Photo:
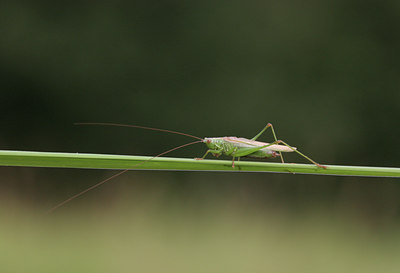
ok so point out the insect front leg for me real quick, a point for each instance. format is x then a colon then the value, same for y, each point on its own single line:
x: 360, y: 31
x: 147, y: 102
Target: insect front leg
x: 269, y: 125
x: 214, y: 152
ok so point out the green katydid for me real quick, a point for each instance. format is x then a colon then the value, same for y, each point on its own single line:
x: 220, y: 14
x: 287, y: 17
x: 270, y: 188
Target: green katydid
x: 236, y: 147
x: 243, y: 147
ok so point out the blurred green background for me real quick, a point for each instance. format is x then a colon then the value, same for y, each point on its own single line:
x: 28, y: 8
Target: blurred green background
x: 326, y: 74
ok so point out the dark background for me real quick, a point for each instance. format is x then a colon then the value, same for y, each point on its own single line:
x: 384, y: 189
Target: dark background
x: 325, y: 73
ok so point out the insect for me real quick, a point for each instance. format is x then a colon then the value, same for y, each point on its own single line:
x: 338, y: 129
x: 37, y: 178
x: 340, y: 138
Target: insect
x: 236, y: 147
x: 242, y: 147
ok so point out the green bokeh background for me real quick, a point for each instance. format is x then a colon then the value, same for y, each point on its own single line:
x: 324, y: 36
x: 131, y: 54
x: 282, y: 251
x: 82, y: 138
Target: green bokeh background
x: 326, y: 74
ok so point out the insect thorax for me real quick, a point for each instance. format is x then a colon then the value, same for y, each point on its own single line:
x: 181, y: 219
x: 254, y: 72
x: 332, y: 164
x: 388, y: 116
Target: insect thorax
x: 218, y: 143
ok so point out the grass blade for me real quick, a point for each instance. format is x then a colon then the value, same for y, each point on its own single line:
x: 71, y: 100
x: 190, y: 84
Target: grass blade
x: 118, y: 162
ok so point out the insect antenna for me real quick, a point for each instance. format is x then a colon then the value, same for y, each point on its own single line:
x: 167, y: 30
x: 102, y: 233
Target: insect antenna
x: 136, y: 126
x: 118, y: 174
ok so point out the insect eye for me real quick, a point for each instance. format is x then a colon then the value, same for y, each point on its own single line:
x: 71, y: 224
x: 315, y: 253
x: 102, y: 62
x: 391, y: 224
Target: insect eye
x: 208, y: 140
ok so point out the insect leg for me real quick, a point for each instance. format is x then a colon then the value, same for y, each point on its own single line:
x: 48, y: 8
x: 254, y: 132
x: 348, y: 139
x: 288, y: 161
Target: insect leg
x: 262, y: 131
x: 248, y: 151
x: 303, y: 155
x: 269, y: 125
x: 233, y: 153
x: 218, y: 152
x: 233, y: 161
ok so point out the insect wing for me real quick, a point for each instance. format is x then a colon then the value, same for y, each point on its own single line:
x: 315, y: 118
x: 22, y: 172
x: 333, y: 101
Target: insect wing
x: 246, y: 143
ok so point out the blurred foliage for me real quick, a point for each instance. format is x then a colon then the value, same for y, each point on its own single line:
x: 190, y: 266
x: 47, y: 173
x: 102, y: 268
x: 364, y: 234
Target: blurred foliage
x: 326, y: 74
x: 159, y: 235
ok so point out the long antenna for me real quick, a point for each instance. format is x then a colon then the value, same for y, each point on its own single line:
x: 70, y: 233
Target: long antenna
x: 136, y: 126
x: 117, y: 174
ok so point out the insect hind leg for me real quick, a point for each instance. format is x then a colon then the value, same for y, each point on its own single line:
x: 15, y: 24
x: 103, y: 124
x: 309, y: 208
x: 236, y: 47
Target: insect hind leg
x: 303, y: 155
x: 269, y: 125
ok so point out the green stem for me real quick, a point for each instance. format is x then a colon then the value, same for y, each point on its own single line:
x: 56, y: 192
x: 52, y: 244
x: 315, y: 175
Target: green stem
x: 102, y: 161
